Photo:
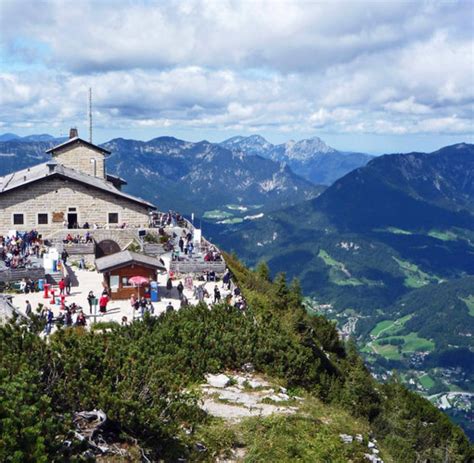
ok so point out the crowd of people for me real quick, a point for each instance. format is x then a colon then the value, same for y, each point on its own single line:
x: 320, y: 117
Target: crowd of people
x: 71, y: 315
x: 17, y: 251
x: 78, y: 239
x: 165, y: 219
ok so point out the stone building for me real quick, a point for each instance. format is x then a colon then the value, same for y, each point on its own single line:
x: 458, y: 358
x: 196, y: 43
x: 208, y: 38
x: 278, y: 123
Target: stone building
x: 70, y: 190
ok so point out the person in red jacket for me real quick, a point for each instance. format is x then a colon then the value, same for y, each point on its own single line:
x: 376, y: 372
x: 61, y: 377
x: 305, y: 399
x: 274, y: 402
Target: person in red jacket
x: 62, y: 286
x: 103, y: 301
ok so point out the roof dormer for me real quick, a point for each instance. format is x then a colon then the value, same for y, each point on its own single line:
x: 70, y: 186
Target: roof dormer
x: 80, y: 155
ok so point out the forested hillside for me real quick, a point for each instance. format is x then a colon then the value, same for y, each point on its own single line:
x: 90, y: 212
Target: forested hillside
x: 142, y: 377
x: 389, y: 243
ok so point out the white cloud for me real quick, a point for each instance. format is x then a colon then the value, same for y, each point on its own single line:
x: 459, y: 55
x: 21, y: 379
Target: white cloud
x: 364, y: 67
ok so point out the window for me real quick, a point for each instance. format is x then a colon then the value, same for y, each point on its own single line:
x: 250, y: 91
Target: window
x: 113, y: 217
x: 42, y: 218
x: 18, y: 219
x: 114, y: 282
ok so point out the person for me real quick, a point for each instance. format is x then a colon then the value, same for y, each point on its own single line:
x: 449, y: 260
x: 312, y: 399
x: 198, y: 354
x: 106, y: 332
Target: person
x: 184, y: 302
x: 149, y: 307
x: 143, y: 305
x: 67, y: 283
x: 81, y: 319
x: 28, y: 309
x: 226, y: 279
x: 49, y: 321
x: 67, y: 317
x: 103, y: 301
x: 64, y: 256
x: 90, y: 300
x: 217, y: 295
x: 62, y: 286
x: 180, y: 288
x: 181, y: 244
x: 169, y: 307
x: 133, y: 302
x: 169, y: 286
x: 82, y: 264
x: 124, y: 321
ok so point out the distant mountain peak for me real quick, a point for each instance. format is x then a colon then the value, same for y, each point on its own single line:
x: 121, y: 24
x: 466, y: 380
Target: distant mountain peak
x: 305, y: 149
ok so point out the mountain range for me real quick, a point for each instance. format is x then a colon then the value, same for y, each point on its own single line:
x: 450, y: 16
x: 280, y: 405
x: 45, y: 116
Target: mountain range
x: 388, y: 252
x: 209, y: 179
x: 200, y: 177
x: 311, y: 158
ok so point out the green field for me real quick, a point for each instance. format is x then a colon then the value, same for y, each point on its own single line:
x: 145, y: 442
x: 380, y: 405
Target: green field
x: 390, y: 327
x: 470, y: 304
x: 443, y: 235
x: 236, y: 207
x: 389, y: 352
x: 414, y: 277
x: 426, y: 381
x: 396, y: 231
x: 339, y: 275
x: 217, y: 214
x: 381, y: 326
x: 411, y: 343
x: 232, y: 220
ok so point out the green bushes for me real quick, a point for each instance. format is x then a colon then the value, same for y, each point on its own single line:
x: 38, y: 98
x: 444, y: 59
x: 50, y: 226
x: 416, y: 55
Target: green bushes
x: 142, y: 377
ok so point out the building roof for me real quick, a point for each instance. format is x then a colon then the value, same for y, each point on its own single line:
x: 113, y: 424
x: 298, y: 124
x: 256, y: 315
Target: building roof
x: 71, y: 142
x: 52, y: 169
x: 115, y: 179
x: 124, y: 258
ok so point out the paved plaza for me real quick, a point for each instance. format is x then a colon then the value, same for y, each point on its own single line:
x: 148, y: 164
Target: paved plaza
x: 92, y: 281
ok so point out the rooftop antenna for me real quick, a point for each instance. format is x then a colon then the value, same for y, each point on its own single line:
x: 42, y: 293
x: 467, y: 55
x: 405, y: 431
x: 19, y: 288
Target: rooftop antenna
x: 90, y: 115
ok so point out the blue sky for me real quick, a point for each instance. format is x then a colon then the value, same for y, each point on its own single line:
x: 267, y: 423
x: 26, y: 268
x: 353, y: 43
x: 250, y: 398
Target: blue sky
x: 373, y: 76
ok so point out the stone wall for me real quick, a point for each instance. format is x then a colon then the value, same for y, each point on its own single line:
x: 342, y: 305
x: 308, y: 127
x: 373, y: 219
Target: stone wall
x: 80, y: 158
x: 55, y: 196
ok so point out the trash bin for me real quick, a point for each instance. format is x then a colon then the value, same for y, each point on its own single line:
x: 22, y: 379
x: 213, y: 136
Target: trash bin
x: 41, y: 284
x: 154, y: 291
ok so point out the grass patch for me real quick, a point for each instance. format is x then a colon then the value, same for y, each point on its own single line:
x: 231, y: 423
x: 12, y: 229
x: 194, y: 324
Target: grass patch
x: 394, y: 230
x: 426, y: 381
x: 218, y: 436
x: 381, y: 326
x: 312, y: 436
x: 469, y: 301
x: 338, y: 273
x: 414, y: 276
x: 232, y: 220
x: 388, y: 351
x: 217, y: 214
x: 411, y: 343
x: 390, y: 327
x: 443, y: 235
x: 236, y: 207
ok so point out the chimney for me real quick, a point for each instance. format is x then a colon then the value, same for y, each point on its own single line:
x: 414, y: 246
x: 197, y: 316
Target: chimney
x: 73, y: 133
x: 51, y: 166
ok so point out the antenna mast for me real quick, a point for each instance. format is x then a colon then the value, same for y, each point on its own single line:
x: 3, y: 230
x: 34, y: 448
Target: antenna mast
x: 90, y: 115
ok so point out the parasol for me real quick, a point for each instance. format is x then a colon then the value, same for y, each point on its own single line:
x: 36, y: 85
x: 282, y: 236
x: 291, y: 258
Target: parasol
x: 138, y: 280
